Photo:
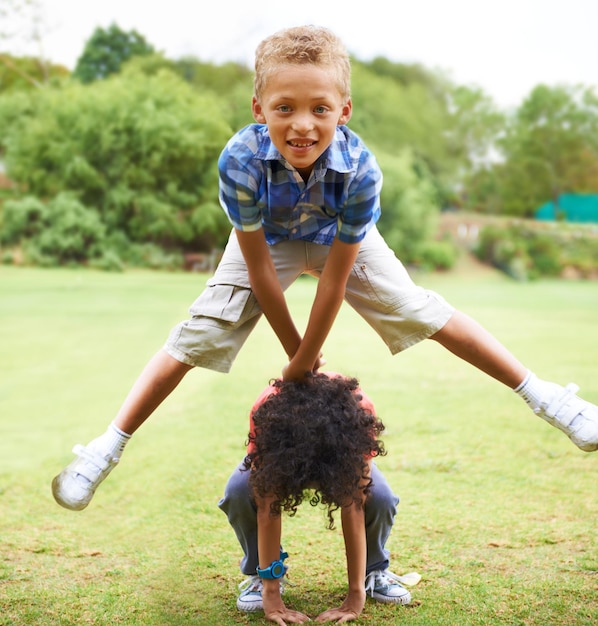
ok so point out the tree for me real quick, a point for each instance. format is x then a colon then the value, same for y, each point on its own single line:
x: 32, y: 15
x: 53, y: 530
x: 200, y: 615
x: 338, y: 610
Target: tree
x: 106, y: 51
x: 27, y: 73
x: 475, y: 125
x: 232, y: 82
x: 22, y: 21
x: 141, y: 152
x: 447, y: 127
x: 410, y: 210
x: 550, y: 147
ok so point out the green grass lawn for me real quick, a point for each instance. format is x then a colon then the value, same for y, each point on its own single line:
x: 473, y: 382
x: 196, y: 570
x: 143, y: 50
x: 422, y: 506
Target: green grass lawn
x: 498, y: 510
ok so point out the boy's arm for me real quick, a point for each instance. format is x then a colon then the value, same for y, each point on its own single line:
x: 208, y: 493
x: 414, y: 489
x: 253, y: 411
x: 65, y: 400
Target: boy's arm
x: 266, y: 287
x: 327, y: 302
x: 268, y: 545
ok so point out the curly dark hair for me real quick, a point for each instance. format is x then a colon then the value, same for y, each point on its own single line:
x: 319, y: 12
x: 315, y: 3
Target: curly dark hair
x: 313, y: 438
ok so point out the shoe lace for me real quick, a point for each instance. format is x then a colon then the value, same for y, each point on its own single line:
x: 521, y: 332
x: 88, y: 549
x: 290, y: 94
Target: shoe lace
x: 379, y: 578
x: 253, y: 583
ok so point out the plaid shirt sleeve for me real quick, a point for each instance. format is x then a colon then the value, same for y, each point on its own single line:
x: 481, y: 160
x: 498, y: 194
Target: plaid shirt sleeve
x: 362, y: 210
x: 239, y: 181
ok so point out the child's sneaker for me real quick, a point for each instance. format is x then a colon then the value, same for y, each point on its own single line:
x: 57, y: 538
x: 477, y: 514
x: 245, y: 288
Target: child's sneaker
x: 577, y: 418
x: 250, y: 598
x: 74, y: 487
x: 384, y: 586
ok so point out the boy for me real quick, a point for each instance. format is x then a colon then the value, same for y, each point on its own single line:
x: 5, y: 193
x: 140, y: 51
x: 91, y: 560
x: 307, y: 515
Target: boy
x: 318, y: 435
x: 302, y: 192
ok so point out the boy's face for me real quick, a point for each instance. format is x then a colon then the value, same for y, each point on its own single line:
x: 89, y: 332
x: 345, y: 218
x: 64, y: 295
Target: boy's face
x: 302, y: 107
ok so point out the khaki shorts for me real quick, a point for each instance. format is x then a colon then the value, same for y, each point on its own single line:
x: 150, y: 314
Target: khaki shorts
x: 378, y: 288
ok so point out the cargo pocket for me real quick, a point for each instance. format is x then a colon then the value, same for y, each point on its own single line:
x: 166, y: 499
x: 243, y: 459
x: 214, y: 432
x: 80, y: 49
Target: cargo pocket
x: 228, y: 303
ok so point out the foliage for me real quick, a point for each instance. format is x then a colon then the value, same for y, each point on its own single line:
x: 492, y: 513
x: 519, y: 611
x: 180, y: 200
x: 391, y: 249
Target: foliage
x: 139, y: 151
x: 550, y: 146
x: 216, y: 78
x: 106, y: 50
x: 60, y: 232
x: 530, y: 251
x: 410, y: 211
x: 140, y: 147
x: 18, y: 73
x: 475, y: 124
x: 22, y: 26
x: 231, y: 82
x: 448, y: 127
x: 393, y: 117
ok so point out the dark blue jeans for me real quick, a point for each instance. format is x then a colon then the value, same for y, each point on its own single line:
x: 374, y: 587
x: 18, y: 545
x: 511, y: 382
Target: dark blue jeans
x: 380, y: 510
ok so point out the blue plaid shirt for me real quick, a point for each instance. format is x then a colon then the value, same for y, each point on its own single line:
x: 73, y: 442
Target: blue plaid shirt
x: 258, y: 188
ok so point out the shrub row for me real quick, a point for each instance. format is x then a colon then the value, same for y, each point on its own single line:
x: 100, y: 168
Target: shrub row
x: 527, y: 251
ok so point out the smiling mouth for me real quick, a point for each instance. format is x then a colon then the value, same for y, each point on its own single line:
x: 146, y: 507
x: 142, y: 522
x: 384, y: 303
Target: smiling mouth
x: 301, y: 144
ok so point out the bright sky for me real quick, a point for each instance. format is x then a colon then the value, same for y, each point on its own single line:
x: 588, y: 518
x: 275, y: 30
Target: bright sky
x: 505, y: 47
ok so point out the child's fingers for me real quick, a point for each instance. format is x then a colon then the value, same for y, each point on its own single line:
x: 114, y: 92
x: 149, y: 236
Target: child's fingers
x: 287, y: 616
x: 338, y: 615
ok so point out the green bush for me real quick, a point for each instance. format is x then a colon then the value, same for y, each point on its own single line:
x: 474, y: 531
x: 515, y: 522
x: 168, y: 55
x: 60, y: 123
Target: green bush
x: 436, y: 255
x: 61, y: 232
x: 138, y: 151
x: 529, y: 250
x: 410, y: 207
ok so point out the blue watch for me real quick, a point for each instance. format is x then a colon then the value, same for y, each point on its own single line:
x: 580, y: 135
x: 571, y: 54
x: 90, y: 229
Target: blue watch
x: 275, y: 570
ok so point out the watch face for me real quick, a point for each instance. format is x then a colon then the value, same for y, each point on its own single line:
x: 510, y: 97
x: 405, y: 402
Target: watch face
x: 274, y: 570
x: 277, y: 569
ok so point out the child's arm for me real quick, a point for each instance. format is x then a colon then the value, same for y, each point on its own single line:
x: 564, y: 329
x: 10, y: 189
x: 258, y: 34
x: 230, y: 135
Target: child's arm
x: 266, y: 287
x: 327, y: 302
x: 268, y: 543
x: 353, y: 521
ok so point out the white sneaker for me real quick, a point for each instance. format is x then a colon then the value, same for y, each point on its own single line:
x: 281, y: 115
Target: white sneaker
x: 74, y: 487
x: 577, y: 418
x: 250, y: 598
x: 384, y: 586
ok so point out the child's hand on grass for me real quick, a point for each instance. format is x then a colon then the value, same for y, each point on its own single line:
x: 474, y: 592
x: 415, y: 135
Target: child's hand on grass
x: 349, y: 610
x: 276, y: 611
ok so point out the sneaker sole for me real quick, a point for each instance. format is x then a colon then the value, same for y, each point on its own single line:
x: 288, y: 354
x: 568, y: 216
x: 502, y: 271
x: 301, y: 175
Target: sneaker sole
x: 406, y: 599
x: 249, y: 607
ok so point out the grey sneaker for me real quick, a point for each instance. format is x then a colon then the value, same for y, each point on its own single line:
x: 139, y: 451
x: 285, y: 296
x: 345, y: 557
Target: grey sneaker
x: 577, y: 418
x: 384, y: 586
x: 74, y: 487
x: 250, y: 598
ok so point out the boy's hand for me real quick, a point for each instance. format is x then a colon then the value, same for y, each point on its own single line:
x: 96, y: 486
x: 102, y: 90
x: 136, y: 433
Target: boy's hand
x: 293, y: 372
x: 276, y: 611
x: 349, y: 610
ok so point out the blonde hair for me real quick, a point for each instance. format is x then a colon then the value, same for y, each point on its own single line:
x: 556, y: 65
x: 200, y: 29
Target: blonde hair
x: 302, y: 45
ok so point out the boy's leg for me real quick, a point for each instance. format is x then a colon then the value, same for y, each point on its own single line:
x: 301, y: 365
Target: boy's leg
x: 75, y: 486
x: 156, y: 382
x: 222, y: 319
x: 468, y: 340
x: 402, y: 313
